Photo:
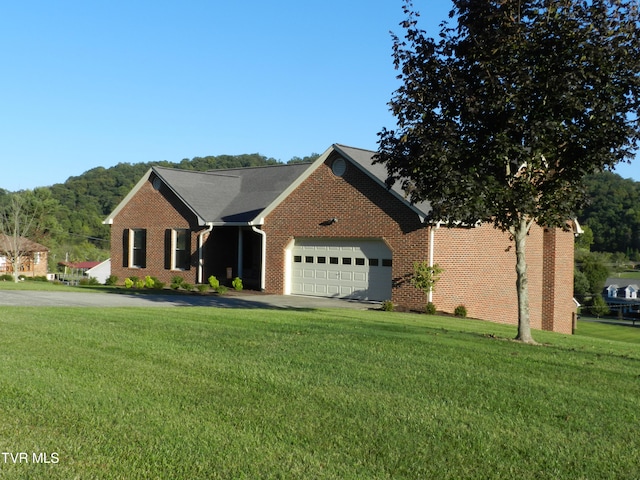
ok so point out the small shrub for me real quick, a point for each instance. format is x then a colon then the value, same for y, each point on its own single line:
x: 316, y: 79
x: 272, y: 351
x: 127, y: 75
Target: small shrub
x: 175, y: 286
x: 157, y: 284
x: 111, y: 280
x: 177, y: 280
x: 214, y: 282
x: 38, y: 278
x: 387, y: 306
x: 430, y: 309
x: 460, y: 311
x: 221, y: 289
x: 237, y: 284
x: 149, y: 282
x: 89, y: 281
x: 202, y: 288
x: 6, y: 277
x: 599, y: 307
x: 187, y: 286
x: 128, y: 283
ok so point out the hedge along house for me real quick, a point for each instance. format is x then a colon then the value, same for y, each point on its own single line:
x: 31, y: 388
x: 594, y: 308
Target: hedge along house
x: 330, y: 228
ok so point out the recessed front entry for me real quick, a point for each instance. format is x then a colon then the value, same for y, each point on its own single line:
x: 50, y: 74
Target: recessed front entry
x: 345, y: 268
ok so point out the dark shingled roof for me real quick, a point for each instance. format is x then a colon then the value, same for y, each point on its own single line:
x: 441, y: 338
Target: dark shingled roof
x: 364, y: 158
x: 235, y: 195
x: 245, y: 195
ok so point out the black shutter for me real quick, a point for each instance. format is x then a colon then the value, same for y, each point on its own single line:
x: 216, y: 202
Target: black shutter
x: 125, y: 248
x: 189, y: 257
x: 143, y: 260
x: 167, y: 249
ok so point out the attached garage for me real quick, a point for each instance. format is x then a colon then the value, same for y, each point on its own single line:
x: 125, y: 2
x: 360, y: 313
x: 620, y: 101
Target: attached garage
x: 345, y: 268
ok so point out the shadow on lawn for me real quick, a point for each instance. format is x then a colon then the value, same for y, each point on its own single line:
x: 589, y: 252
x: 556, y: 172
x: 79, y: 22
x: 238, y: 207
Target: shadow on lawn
x: 231, y: 299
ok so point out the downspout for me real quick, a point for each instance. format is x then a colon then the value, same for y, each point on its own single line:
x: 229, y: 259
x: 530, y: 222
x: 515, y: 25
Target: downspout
x: 200, y: 251
x: 432, y: 241
x: 263, y: 261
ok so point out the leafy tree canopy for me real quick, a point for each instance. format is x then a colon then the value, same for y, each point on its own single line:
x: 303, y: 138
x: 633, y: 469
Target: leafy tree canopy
x: 501, y: 117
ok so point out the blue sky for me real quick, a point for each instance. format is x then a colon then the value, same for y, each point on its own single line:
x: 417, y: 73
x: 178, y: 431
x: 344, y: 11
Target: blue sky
x: 89, y: 84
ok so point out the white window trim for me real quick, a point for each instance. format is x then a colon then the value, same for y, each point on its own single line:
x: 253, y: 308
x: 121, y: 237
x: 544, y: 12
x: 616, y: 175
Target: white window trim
x: 132, y: 232
x: 174, y: 244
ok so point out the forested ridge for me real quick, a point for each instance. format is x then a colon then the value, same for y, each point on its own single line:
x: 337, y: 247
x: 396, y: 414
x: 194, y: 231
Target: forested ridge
x: 74, y: 230
x: 613, y: 213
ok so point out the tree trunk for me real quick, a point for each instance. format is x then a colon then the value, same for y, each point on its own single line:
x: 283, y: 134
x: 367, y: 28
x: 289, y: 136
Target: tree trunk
x: 522, y: 283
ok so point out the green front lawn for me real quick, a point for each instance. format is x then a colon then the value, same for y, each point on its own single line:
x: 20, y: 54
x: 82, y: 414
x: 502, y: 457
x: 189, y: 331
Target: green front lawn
x: 222, y: 393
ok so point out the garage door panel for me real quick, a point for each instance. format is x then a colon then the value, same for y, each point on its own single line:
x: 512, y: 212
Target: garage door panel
x: 342, y: 267
x: 360, y: 277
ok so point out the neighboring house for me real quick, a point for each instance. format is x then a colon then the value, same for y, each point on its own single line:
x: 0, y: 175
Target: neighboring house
x: 74, y: 271
x: 34, y: 257
x: 623, y: 298
x: 628, y: 292
x: 100, y: 272
x: 331, y: 228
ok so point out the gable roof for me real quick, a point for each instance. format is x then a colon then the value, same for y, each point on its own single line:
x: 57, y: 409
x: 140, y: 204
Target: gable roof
x: 230, y: 196
x: 364, y: 159
x: 25, y: 245
x: 245, y: 196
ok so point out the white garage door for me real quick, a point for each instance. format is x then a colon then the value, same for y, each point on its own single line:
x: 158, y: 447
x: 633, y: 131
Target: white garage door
x: 341, y: 268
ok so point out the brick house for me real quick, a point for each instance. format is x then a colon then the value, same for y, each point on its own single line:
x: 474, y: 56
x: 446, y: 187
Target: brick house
x: 33, y: 257
x: 330, y: 228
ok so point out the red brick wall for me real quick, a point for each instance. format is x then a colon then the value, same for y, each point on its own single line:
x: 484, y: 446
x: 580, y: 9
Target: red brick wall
x: 41, y: 268
x: 364, y: 209
x: 479, y: 273
x: 558, y: 281
x: 156, y: 211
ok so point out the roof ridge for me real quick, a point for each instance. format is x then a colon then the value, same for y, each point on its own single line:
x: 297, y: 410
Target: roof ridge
x: 200, y: 172
x: 354, y: 148
x: 255, y: 167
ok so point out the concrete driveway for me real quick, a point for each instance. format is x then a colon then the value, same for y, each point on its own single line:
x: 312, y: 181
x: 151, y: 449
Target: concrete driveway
x: 233, y: 300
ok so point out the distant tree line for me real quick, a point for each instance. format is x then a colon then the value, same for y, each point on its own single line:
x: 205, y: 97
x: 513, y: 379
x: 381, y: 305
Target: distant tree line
x: 613, y: 214
x: 610, y: 243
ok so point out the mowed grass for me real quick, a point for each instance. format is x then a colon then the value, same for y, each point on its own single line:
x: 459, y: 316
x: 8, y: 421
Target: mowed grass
x: 624, y: 332
x: 219, y: 393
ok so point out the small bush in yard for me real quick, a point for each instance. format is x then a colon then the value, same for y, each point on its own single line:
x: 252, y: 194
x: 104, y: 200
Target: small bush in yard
x: 111, y: 280
x: 128, y: 283
x: 387, y: 306
x: 202, y: 288
x: 187, y: 286
x: 221, y: 289
x: 149, y: 282
x: 214, y: 282
x: 430, y: 309
x: 460, y: 311
x: 237, y: 284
